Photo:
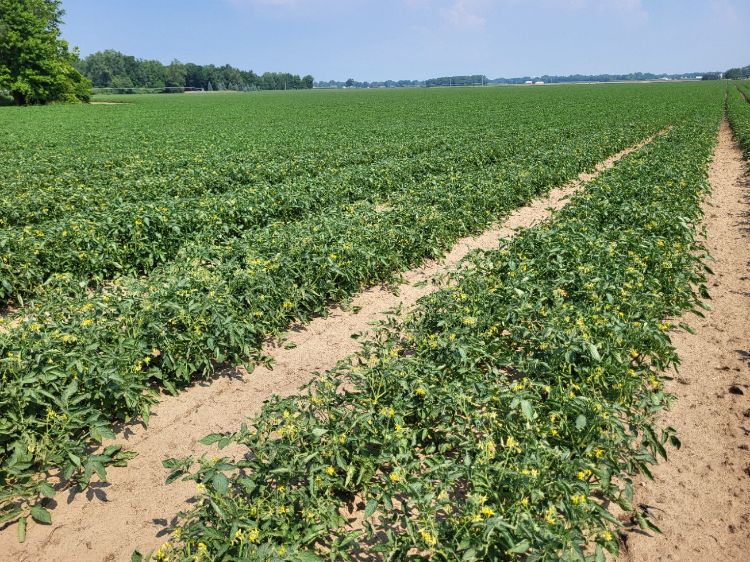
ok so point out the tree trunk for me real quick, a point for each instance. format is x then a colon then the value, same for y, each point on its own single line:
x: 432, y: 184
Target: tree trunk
x: 19, y: 98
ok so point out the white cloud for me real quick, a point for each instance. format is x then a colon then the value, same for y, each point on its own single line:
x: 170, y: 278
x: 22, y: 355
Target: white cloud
x: 465, y: 14
x: 625, y: 7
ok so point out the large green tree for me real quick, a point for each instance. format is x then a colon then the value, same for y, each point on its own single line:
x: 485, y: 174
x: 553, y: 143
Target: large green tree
x: 36, y: 66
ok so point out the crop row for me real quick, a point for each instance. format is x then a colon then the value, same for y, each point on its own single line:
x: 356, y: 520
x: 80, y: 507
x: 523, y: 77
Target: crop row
x: 738, y: 113
x: 133, y: 238
x: 160, y: 150
x: 73, y: 360
x: 504, y: 415
x: 137, y: 213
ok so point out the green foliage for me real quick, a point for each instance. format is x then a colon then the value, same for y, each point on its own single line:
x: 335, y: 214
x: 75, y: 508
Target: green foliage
x: 504, y: 416
x: 738, y: 113
x: 112, y: 69
x: 738, y: 73
x: 35, y: 64
x: 177, y: 234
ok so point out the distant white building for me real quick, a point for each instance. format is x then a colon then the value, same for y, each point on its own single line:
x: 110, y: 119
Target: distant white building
x: 539, y: 83
x: 528, y: 82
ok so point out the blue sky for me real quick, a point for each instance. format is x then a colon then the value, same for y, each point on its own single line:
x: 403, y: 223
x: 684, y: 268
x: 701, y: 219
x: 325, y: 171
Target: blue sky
x: 417, y: 39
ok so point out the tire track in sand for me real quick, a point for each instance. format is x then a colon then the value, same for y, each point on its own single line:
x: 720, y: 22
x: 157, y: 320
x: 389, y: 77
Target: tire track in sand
x: 110, y: 520
x: 700, y: 499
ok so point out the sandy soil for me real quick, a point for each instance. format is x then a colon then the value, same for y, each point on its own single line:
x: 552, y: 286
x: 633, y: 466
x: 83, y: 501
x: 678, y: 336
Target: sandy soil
x: 700, y: 499
x: 112, y: 519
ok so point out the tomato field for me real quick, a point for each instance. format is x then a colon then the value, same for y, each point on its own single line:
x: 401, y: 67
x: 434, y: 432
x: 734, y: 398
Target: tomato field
x: 145, y: 245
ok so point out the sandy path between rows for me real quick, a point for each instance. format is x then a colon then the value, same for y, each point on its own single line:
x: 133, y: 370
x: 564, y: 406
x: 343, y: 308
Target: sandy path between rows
x: 700, y: 499
x: 112, y: 519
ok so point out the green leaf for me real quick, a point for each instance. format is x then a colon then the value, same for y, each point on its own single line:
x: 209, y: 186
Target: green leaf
x: 41, y: 515
x: 305, y: 556
x: 220, y: 483
x: 593, y: 351
x: 22, y: 529
x: 520, y: 548
x: 46, y: 490
x: 319, y: 432
x: 527, y: 409
x: 370, y: 508
x: 581, y: 422
x: 211, y: 439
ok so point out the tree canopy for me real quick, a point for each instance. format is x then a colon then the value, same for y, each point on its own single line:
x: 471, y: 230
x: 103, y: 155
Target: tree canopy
x: 738, y: 73
x: 112, y: 69
x: 36, y: 66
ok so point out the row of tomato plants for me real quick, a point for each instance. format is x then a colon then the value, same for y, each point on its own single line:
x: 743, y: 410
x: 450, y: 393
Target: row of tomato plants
x: 73, y: 361
x: 156, y: 149
x: 504, y: 416
x: 133, y: 219
x: 738, y: 113
x: 132, y: 238
x: 161, y: 149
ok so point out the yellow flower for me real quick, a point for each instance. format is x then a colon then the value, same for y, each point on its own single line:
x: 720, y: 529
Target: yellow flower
x: 428, y: 538
x: 419, y: 391
x: 162, y: 553
x: 252, y: 535
x: 202, y: 551
x: 578, y: 499
x: 551, y: 515
x: 395, y: 477
x: 487, y: 511
x: 201, y: 488
x: 330, y: 471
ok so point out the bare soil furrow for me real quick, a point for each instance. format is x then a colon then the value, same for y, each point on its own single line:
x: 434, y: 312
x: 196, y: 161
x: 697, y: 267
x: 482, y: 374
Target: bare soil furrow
x: 700, y: 499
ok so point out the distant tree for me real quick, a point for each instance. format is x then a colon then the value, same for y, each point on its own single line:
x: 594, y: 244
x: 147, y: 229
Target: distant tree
x: 350, y: 83
x: 108, y: 69
x: 210, y: 87
x: 36, y: 66
x: 738, y: 73
x: 176, y: 74
x: 122, y: 82
x: 711, y: 76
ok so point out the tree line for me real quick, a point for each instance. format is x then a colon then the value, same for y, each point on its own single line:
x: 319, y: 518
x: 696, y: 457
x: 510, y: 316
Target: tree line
x: 481, y: 79
x: 738, y: 73
x: 112, y: 69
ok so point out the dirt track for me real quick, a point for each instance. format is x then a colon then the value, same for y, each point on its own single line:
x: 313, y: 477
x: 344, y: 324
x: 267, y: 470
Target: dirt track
x: 111, y: 520
x: 700, y: 499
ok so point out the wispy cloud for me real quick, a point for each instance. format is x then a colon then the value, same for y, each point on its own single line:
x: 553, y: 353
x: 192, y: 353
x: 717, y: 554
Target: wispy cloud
x: 465, y: 14
x: 633, y: 8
